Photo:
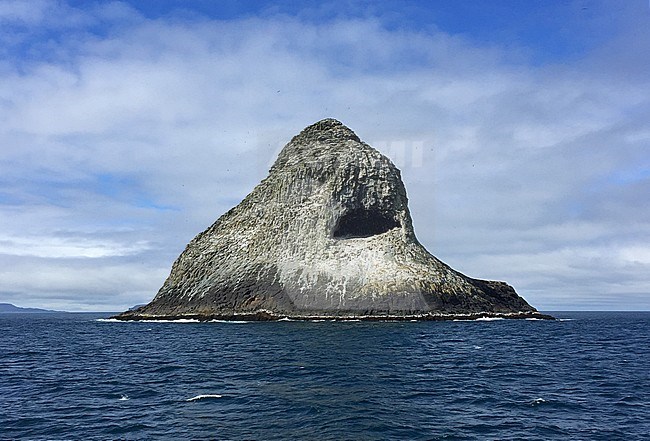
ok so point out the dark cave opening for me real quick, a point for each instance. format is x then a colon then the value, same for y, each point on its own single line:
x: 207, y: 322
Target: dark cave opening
x: 363, y: 223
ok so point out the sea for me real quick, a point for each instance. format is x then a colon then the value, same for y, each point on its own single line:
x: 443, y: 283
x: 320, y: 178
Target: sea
x: 80, y: 376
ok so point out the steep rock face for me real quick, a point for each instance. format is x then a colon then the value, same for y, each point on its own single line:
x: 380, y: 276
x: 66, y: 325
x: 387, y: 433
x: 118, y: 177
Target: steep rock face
x: 327, y: 234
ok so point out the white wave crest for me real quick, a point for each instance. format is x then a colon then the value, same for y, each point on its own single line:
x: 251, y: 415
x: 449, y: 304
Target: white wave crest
x: 229, y: 321
x: 112, y: 320
x: 203, y: 397
x: 175, y: 321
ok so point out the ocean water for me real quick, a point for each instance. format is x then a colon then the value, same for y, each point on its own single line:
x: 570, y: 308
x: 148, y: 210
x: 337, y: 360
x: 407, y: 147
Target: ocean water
x: 70, y: 376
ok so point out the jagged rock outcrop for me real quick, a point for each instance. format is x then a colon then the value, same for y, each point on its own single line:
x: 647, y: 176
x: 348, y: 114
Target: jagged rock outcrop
x: 327, y: 234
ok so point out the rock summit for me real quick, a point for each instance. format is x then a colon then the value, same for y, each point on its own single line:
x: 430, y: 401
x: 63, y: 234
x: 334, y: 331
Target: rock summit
x: 327, y: 234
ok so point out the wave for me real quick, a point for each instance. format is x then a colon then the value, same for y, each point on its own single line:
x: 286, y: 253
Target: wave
x: 480, y: 319
x: 174, y: 321
x: 112, y: 320
x: 203, y: 397
x: 537, y: 401
x: 230, y: 321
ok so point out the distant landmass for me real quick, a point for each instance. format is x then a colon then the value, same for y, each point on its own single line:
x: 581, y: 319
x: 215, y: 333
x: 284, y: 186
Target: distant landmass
x: 8, y: 307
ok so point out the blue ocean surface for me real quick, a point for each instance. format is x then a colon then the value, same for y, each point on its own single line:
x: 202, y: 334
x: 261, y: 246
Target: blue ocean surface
x: 70, y: 376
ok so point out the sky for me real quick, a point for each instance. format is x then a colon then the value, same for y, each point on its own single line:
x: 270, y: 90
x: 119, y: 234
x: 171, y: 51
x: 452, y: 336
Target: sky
x: 522, y: 130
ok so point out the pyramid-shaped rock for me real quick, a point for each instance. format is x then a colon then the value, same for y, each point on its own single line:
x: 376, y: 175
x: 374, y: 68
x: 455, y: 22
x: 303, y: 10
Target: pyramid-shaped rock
x: 327, y: 234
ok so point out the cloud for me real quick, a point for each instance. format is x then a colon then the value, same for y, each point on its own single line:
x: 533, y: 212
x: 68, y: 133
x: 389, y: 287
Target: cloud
x: 37, y: 12
x: 65, y: 248
x: 133, y: 134
x: 79, y: 284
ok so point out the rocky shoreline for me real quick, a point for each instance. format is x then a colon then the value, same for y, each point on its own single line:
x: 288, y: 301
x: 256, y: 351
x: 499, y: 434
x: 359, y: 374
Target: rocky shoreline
x: 268, y: 316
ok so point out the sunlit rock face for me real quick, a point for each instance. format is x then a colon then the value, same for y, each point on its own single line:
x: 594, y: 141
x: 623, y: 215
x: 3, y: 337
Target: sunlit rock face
x: 327, y: 234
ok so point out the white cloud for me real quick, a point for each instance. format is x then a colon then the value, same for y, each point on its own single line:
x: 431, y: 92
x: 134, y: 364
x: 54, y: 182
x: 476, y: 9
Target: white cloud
x: 79, y: 284
x: 514, y: 180
x: 636, y: 254
x: 41, y: 14
x: 66, y: 248
x: 20, y: 11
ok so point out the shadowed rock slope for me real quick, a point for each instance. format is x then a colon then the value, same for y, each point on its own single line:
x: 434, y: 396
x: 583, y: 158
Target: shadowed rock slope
x: 327, y: 234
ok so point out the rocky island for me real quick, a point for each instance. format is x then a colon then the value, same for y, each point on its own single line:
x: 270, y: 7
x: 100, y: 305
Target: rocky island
x: 327, y: 235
